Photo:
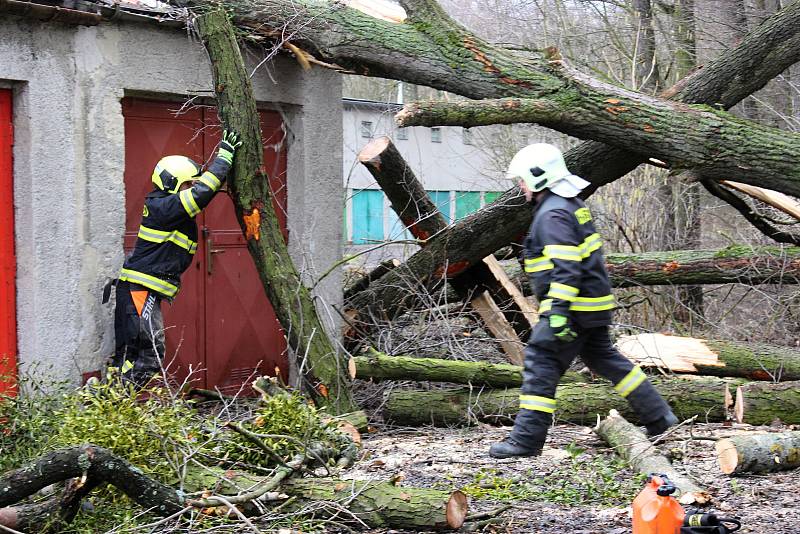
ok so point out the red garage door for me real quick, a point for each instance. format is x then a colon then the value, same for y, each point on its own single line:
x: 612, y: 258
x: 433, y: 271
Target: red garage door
x: 221, y: 325
x: 8, y: 264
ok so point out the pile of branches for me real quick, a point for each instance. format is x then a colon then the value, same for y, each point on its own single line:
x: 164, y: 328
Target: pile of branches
x: 279, y: 459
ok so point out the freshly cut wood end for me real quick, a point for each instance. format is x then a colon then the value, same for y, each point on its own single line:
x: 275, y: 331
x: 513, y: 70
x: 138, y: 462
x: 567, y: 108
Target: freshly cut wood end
x: 675, y: 353
x: 727, y: 456
x: 695, y: 497
x: 379, y: 9
x: 351, y: 367
x: 456, y: 509
x: 738, y: 407
x: 372, y: 151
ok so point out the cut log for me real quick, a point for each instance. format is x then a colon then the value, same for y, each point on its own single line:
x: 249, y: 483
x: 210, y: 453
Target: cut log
x: 379, y: 366
x: 755, y: 361
x: 761, y: 403
x: 634, y: 447
x: 382, y: 504
x: 759, y: 453
x: 326, y: 378
x: 378, y: 504
x: 423, y: 219
x: 577, y: 402
x: 730, y: 265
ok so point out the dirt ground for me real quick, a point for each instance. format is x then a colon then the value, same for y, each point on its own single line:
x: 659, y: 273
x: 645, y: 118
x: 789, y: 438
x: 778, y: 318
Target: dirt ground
x: 455, y: 458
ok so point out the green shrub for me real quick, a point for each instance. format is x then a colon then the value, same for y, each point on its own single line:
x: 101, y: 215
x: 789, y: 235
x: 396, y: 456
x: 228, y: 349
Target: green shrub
x: 150, y: 429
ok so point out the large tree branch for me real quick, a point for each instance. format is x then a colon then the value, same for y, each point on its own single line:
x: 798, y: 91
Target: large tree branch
x: 713, y: 143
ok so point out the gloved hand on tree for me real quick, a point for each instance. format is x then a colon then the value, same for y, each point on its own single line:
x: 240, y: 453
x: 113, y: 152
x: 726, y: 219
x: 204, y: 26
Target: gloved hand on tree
x: 227, y: 147
x: 562, y: 329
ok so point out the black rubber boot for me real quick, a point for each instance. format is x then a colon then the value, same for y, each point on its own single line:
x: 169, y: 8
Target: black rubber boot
x: 527, y: 437
x: 509, y: 448
x: 661, y: 425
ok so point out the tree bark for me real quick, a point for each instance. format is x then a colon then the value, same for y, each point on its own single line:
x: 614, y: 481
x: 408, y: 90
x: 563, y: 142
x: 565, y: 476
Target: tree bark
x: 327, y: 380
x: 98, y: 465
x: 362, y: 283
x: 577, y: 402
x: 634, y: 447
x: 731, y: 265
x: 382, y: 504
x: 460, y: 63
x: 710, y: 142
x: 709, y: 357
x: 759, y: 453
x: 761, y: 403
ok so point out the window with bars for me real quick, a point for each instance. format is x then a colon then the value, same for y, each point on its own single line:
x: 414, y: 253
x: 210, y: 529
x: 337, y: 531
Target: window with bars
x: 436, y: 135
x: 466, y: 136
x: 402, y: 134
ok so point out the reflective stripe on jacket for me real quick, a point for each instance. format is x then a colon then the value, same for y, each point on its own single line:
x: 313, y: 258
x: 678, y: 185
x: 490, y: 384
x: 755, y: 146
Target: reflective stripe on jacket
x: 167, y: 239
x: 564, y: 259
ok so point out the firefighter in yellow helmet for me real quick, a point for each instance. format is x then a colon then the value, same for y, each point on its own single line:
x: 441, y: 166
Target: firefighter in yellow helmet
x: 166, y: 244
x: 564, y: 259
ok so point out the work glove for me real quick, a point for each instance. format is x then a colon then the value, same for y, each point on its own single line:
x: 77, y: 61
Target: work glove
x: 227, y: 147
x: 562, y: 330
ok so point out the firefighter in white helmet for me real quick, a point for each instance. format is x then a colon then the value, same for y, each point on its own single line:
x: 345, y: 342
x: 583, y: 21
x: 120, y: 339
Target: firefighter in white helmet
x: 564, y: 260
x: 165, y: 247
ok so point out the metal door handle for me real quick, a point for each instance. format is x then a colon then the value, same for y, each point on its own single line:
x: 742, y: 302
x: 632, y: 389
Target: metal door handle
x: 209, y: 254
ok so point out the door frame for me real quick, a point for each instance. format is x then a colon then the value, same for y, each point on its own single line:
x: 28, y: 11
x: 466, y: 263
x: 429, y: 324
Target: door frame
x: 8, y: 262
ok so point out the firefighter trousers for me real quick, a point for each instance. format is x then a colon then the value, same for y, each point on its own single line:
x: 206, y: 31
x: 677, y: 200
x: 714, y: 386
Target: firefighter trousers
x: 546, y: 360
x: 139, y: 333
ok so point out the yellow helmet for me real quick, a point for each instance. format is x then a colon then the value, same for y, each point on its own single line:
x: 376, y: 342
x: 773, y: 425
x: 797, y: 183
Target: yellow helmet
x: 172, y: 171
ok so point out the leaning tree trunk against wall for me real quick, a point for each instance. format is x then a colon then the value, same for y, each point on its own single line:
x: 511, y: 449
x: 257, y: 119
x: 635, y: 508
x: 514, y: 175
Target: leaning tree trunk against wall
x: 252, y: 198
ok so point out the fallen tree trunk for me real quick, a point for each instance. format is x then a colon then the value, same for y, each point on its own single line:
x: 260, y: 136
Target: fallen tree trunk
x: 382, y: 504
x: 327, y: 380
x: 754, y: 361
x: 634, y: 447
x: 730, y: 265
x: 759, y: 453
x: 379, y: 366
x: 576, y: 402
x: 764, y: 53
x: 761, y: 403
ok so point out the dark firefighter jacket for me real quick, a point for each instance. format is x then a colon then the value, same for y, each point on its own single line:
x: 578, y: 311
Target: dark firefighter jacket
x: 564, y: 259
x: 167, y: 237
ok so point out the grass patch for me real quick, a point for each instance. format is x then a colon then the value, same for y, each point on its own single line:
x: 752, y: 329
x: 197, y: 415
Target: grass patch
x: 581, y: 480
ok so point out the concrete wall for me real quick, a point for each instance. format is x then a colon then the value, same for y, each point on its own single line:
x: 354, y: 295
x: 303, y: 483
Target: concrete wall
x: 68, y: 83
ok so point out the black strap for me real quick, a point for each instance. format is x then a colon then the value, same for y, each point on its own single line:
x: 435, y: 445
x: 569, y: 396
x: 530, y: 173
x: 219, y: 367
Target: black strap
x: 107, y: 289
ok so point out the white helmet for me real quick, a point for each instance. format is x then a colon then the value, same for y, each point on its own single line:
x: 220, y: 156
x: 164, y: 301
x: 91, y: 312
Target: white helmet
x: 542, y: 166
